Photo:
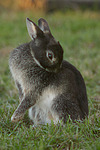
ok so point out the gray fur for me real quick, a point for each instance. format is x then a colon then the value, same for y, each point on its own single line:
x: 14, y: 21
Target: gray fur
x: 50, y: 91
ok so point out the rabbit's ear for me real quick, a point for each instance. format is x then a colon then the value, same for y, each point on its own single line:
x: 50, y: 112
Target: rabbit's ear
x: 43, y: 25
x: 33, y: 29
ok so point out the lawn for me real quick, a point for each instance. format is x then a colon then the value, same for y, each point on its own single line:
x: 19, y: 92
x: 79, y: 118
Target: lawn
x: 79, y: 35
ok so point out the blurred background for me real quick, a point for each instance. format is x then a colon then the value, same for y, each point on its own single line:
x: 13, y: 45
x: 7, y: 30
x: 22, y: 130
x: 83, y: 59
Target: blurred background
x: 49, y: 5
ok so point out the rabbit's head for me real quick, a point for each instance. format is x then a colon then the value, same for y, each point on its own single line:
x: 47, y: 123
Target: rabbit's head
x: 45, y: 50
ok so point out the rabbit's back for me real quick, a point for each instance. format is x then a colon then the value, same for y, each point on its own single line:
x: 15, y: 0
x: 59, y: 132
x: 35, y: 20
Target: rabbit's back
x: 21, y: 66
x: 20, y: 58
x: 73, y: 100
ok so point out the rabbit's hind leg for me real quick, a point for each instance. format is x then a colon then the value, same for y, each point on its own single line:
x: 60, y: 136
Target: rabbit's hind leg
x: 65, y: 107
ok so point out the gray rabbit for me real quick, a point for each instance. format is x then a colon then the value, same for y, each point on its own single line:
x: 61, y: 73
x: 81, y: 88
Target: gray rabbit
x: 49, y: 87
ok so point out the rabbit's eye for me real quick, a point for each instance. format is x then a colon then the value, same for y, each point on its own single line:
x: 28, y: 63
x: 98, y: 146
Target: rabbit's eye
x: 50, y: 55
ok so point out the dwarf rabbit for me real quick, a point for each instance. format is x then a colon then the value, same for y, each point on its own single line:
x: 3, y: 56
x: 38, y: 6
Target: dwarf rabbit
x: 49, y: 87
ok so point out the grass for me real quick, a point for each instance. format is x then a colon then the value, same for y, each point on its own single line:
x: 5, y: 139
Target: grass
x: 79, y: 34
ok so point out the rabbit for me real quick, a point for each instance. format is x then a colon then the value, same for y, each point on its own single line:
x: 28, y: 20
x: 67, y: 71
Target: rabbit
x: 49, y: 87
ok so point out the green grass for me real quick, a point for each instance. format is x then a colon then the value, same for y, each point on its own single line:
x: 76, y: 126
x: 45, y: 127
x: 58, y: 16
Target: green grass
x: 79, y: 35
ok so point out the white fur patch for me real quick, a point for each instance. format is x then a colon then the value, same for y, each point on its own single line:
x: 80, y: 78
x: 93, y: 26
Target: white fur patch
x: 43, y: 112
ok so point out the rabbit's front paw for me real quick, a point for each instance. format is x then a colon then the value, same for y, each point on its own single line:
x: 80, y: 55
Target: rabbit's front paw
x: 17, y: 117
